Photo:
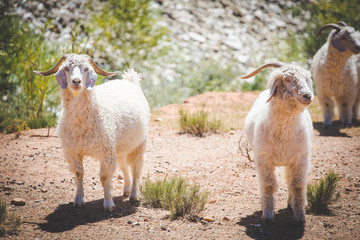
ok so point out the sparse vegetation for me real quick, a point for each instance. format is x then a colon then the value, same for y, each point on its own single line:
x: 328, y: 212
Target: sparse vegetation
x: 198, y: 123
x: 320, y: 195
x: 9, y: 224
x: 176, y: 194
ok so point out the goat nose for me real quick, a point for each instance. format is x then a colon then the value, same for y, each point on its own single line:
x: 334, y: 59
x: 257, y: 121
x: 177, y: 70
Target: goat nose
x: 307, y: 96
x: 76, y: 81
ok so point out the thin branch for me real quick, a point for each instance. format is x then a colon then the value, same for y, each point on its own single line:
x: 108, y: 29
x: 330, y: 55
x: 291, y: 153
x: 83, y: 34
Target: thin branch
x: 244, y: 148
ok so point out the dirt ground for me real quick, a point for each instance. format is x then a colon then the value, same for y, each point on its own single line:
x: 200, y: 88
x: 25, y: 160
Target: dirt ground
x: 32, y: 167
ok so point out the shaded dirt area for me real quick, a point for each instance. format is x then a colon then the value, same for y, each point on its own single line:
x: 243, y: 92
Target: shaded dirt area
x: 32, y: 167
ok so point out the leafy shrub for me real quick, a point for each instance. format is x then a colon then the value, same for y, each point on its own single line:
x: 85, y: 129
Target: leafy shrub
x: 23, y: 94
x: 321, y: 195
x: 198, y: 123
x: 128, y: 28
x: 9, y: 224
x: 176, y: 195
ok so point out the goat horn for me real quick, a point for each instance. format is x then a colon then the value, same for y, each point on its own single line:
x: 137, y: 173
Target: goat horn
x: 341, y: 23
x: 330, y: 25
x: 54, y: 69
x: 98, y: 70
x: 275, y: 65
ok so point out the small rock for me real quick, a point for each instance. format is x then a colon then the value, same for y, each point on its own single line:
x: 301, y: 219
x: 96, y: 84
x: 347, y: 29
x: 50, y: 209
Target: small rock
x: 158, y: 120
x: 209, y: 219
x: 226, y: 219
x: 212, y: 201
x: 44, y: 190
x: 232, y: 132
x: 135, y: 224
x: 163, y: 227
x: 18, y: 202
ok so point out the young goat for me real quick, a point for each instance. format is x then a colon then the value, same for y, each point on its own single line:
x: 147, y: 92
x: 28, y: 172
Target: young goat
x: 108, y: 122
x: 279, y: 129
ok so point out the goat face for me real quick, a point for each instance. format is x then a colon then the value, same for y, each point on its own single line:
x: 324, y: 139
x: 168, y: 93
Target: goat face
x: 345, y: 39
x: 292, y: 83
x: 77, y: 74
x: 76, y: 71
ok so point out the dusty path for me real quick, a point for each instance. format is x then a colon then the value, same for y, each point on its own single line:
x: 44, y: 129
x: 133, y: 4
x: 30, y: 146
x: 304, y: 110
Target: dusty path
x: 32, y: 168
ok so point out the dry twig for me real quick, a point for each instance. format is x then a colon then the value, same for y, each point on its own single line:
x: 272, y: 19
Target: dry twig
x: 244, y: 148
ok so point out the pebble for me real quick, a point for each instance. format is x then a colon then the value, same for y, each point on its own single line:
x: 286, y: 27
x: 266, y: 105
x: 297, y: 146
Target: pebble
x: 18, y: 202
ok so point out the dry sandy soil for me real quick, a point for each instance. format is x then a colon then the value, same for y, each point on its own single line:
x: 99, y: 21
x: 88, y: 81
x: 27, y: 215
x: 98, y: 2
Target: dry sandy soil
x: 32, y: 167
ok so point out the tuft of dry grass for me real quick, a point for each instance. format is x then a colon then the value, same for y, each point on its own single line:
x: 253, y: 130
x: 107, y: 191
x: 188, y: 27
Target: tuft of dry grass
x: 176, y: 194
x: 320, y: 195
x: 9, y: 224
x: 198, y: 123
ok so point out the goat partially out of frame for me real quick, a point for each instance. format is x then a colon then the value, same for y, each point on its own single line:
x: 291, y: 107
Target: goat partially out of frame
x: 335, y: 73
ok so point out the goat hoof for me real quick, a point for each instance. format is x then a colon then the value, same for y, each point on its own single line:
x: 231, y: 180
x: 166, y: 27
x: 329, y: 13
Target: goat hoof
x: 134, y: 199
x: 268, y: 216
x: 78, y: 205
x: 78, y: 202
x: 299, y: 218
x: 109, y: 205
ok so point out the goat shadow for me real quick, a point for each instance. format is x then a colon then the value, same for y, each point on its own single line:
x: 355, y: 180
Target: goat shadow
x: 66, y: 217
x: 283, y: 226
x: 334, y: 129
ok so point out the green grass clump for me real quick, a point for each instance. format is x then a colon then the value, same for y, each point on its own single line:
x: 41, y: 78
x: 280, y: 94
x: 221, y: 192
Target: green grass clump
x: 198, y: 123
x: 321, y: 195
x: 9, y: 224
x: 176, y: 194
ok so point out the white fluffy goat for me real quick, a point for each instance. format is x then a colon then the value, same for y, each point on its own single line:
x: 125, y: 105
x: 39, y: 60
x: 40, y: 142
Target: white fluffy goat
x: 108, y: 122
x: 335, y: 73
x: 279, y: 129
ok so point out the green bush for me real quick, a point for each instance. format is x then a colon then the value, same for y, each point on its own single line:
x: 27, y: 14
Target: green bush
x: 177, y: 195
x: 23, y: 94
x: 198, y: 123
x: 128, y: 27
x: 321, y: 195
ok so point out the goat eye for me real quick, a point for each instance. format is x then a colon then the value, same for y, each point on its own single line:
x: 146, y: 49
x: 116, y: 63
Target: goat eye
x: 86, y: 69
x: 66, y: 68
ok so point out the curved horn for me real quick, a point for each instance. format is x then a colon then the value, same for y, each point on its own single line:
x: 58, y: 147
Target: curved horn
x: 54, y: 69
x: 275, y: 65
x: 341, y: 23
x: 98, y: 70
x: 330, y: 25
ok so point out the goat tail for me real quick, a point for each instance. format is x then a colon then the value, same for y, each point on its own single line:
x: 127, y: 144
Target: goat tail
x: 132, y: 76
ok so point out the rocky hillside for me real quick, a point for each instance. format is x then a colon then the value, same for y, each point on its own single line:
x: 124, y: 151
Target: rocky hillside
x: 223, y: 30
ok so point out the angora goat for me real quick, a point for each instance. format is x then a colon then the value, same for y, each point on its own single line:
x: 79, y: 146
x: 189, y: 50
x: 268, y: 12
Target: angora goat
x: 108, y: 122
x: 279, y: 128
x: 335, y: 73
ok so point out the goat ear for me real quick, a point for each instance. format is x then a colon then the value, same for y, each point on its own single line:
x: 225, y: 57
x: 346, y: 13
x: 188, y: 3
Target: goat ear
x: 91, y: 78
x: 61, y: 78
x: 272, y: 90
x: 336, y: 43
